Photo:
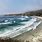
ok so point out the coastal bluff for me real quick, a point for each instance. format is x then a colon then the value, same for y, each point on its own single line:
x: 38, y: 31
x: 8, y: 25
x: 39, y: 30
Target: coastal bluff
x: 30, y: 13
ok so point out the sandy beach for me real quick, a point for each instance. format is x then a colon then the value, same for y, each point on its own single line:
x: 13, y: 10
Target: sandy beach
x: 32, y: 36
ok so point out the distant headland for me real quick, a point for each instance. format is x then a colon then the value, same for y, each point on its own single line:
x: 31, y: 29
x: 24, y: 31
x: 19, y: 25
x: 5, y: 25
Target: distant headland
x: 30, y: 13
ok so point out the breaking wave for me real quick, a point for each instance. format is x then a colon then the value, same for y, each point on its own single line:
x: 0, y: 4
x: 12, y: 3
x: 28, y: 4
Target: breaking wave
x: 12, y: 21
x: 10, y: 24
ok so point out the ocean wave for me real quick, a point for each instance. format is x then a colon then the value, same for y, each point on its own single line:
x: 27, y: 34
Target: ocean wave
x: 15, y: 25
x: 7, y: 21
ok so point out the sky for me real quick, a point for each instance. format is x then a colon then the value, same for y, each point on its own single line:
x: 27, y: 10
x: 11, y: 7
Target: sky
x: 18, y: 6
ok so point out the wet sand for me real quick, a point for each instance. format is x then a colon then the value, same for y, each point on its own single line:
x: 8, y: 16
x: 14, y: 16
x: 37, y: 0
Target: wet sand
x: 32, y: 36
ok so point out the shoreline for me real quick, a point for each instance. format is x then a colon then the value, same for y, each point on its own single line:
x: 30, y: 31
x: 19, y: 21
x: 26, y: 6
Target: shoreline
x: 26, y: 34
x: 32, y: 36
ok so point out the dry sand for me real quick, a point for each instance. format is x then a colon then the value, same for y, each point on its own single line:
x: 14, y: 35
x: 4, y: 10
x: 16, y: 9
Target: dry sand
x: 33, y: 35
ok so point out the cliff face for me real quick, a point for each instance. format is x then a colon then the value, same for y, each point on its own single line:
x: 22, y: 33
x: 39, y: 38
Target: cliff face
x: 31, y: 13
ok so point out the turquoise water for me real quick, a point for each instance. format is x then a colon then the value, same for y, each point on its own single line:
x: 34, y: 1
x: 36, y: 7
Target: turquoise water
x: 12, y: 21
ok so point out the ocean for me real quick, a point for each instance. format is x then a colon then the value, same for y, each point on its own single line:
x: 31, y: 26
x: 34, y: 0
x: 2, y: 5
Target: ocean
x: 14, y: 25
x: 12, y: 21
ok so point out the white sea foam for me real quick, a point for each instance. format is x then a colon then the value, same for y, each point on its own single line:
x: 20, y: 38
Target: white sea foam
x: 5, y: 23
x: 26, y: 17
x: 23, y: 17
x: 21, y: 29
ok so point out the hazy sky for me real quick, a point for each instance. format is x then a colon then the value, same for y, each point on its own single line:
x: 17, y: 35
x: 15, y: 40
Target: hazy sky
x: 16, y: 6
